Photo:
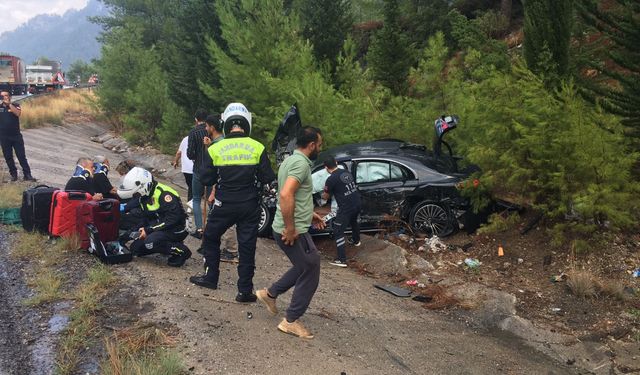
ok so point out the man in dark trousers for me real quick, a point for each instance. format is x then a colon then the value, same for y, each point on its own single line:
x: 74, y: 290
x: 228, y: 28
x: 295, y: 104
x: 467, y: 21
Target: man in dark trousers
x: 11, y: 138
x: 342, y: 187
x: 196, y: 151
x: 294, y: 215
x: 234, y: 164
x: 163, y: 222
x: 82, y: 179
x: 215, y: 134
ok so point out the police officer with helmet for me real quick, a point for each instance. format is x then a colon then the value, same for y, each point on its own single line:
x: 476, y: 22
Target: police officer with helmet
x: 162, y: 229
x: 235, y: 165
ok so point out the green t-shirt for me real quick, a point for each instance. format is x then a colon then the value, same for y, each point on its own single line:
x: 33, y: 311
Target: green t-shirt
x: 297, y: 166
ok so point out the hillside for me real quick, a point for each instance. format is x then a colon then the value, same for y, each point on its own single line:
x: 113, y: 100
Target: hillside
x: 65, y: 38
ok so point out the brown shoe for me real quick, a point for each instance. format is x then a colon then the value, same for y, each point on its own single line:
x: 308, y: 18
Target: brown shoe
x: 269, y: 302
x: 296, y: 328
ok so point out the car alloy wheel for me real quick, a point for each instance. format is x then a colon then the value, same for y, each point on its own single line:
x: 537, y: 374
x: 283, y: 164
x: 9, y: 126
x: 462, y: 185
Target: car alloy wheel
x: 431, y: 219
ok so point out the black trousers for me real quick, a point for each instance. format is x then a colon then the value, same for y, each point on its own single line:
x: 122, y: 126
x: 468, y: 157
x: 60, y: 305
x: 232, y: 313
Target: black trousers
x: 340, y: 223
x: 188, y: 178
x: 304, y: 274
x: 160, y: 242
x: 246, y: 217
x: 132, y: 220
x: 9, y: 144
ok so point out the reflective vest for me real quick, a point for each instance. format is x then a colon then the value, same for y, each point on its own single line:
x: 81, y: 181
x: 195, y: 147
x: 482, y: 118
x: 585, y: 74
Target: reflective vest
x: 155, y: 199
x: 236, y: 151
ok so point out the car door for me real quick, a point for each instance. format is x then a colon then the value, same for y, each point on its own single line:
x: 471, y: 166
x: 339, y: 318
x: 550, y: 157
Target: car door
x: 383, y: 186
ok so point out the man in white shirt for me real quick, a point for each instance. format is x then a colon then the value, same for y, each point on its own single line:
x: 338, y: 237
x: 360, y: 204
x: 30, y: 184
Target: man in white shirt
x: 186, y: 165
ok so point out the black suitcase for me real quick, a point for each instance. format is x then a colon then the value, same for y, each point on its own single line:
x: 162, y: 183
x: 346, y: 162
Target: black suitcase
x: 112, y: 252
x: 36, y: 208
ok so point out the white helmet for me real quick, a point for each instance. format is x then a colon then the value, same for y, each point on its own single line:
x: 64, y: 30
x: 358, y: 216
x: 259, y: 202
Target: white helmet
x: 137, y: 180
x: 236, y: 114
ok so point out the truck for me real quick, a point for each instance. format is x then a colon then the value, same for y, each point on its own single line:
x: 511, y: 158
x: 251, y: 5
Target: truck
x: 44, y: 77
x: 12, y: 75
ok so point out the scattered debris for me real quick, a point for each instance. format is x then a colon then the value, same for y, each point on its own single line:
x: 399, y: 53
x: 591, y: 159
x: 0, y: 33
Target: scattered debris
x: 472, y: 263
x: 466, y: 246
x: 435, y: 245
x: 546, y: 261
x: 559, y: 278
x: 636, y: 273
x: 422, y: 298
x: 249, y: 315
x: 500, y: 251
x: 398, y: 292
x: 520, y: 260
x: 413, y: 282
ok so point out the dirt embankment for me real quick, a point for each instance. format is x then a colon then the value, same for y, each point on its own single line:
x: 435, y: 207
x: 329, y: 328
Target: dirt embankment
x: 359, y: 329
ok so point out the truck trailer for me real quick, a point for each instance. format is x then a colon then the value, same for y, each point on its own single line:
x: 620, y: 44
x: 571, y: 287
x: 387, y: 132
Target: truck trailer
x: 44, y: 77
x: 12, y: 75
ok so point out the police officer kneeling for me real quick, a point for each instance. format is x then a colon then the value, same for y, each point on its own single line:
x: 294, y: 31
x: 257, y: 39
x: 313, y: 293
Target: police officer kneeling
x: 233, y: 165
x: 163, y: 228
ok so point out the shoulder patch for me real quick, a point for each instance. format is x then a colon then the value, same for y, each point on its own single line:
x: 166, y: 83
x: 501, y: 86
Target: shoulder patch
x: 168, y: 198
x: 86, y: 174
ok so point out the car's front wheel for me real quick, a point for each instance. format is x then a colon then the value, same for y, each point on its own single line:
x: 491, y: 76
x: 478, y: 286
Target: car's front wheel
x: 431, y: 219
x: 266, y: 218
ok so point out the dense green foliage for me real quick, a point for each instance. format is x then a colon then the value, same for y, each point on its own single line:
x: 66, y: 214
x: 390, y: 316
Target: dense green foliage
x: 80, y: 70
x: 390, y: 56
x: 619, y: 59
x: 547, y: 32
x: 540, y: 143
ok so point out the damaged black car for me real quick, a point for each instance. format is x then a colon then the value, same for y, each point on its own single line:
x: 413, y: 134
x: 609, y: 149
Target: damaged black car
x: 401, y: 184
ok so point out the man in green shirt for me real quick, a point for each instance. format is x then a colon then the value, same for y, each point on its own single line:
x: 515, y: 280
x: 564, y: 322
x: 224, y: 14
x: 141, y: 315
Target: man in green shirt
x: 294, y: 215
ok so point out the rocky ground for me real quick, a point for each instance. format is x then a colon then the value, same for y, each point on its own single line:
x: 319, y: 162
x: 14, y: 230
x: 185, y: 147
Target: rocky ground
x: 490, y: 320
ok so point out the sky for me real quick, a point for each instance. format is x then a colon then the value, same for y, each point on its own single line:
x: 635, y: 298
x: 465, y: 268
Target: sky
x: 17, y: 12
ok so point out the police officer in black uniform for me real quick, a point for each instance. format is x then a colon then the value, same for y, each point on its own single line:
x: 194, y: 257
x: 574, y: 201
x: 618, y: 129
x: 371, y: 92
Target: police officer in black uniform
x: 163, y: 228
x: 235, y: 165
x: 82, y: 179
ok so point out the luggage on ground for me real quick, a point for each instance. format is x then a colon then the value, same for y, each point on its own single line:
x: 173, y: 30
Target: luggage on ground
x: 64, y: 208
x: 111, y: 252
x: 35, y: 212
x: 104, y: 215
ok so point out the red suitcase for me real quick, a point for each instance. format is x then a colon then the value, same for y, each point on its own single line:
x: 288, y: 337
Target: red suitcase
x: 64, y: 208
x: 104, y: 215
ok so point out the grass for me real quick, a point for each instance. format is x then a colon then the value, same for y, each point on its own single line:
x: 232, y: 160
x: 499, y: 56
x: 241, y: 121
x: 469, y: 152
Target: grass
x: 82, y: 326
x: 582, y: 283
x: 47, y: 285
x: 11, y: 195
x: 613, y: 289
x: 498, y: 223
x: 141, y: 350
x: 51, y: 109
x: 29, y: 245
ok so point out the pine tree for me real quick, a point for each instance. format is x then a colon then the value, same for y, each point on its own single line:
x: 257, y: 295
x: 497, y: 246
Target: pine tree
x: 620, y: 28
x: 547, y: 25
x: 390, y: 55
x: 326, y: 24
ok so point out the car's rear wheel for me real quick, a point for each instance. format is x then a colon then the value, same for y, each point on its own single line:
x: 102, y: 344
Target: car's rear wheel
x: 431, y: 219
x: 266, y: 218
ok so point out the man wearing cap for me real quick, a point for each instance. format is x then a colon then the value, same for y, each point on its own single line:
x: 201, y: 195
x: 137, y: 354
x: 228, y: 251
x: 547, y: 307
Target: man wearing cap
x: 233, y: 165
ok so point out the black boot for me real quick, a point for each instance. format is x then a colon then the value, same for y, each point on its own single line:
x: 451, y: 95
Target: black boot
x: 179, y: 254
x: 14, y: 177
x: 208, y: 280
x: 29, y: 177
x: 246, y: 297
